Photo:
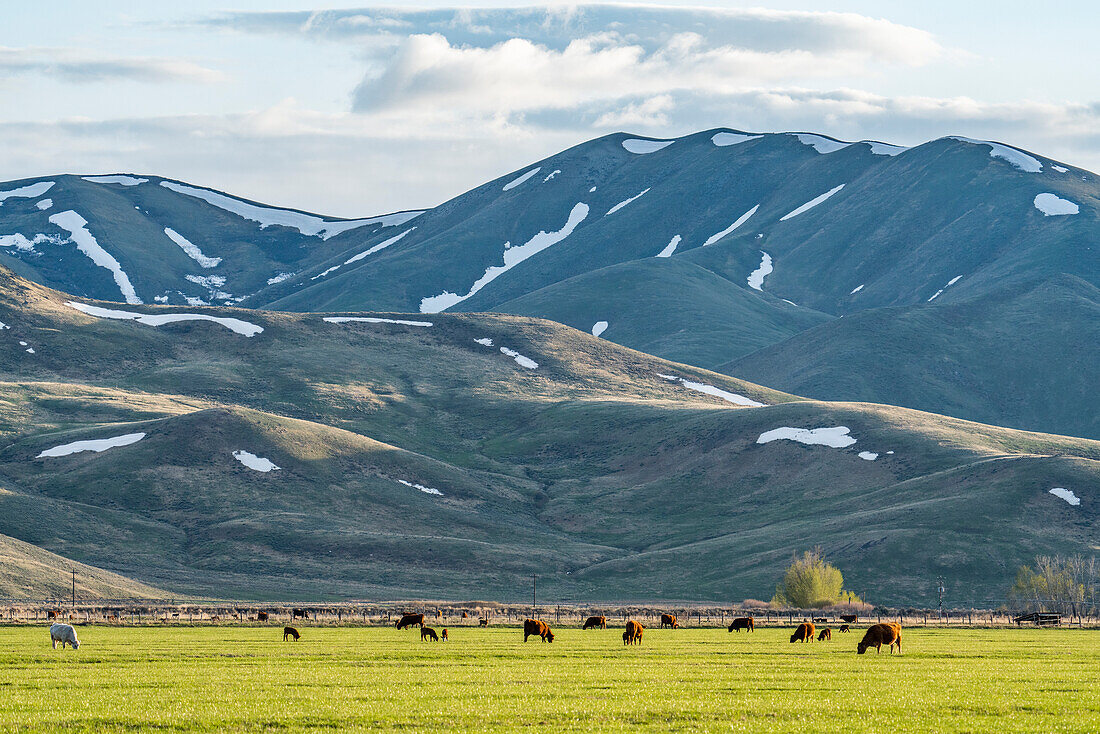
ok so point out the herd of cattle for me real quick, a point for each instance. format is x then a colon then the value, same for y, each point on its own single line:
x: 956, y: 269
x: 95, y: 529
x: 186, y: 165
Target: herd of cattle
x: 877, y: 635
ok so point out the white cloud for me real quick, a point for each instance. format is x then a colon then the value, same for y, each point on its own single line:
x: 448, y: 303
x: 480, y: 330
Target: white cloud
x: 78, y: 66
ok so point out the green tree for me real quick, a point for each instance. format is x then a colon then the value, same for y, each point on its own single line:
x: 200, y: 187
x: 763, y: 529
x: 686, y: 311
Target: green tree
x: 810, y: 582
x: 1057, y: 584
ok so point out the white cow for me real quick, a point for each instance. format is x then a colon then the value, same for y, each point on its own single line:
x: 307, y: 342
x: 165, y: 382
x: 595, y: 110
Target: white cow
x: 63, y: 633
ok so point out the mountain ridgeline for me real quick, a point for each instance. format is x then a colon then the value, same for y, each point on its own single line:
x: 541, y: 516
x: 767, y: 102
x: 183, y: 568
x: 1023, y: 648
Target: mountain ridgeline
x: 967, y: 270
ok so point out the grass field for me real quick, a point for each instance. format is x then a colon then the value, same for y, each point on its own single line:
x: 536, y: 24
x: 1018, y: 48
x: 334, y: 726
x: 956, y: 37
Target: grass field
x: 247, y: 679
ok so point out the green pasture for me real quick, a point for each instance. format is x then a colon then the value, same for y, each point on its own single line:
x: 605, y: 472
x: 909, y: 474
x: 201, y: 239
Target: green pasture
x: 354, y: 679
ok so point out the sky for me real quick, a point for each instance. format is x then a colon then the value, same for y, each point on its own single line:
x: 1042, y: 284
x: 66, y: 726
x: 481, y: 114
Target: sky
x: 354, y: 110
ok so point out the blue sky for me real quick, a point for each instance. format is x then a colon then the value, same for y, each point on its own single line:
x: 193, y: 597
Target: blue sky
x: 353, y: 110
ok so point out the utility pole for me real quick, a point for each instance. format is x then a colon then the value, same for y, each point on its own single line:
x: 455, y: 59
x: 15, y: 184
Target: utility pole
x: 941, y: 589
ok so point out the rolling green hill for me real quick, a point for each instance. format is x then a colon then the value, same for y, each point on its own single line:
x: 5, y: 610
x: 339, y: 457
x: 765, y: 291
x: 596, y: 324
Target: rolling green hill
x: 417, y: 461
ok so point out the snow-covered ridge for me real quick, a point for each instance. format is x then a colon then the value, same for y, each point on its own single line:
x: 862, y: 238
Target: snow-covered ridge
x: 756, y: 277
x: 998, y: 150
x: 238, y: 326
x: 86, y: 243
x: 192, y: 250
x: 121, y: 180
x: 740, y: 220
x: 1054, y: 206
x: 252, y: 461
x: 373, y: 320
x: 96, y: 444
x: 621, y: 204
x: 29, y: 191
x: 723, y: 140
x: 811, y: 203
x: 837, y: 437
x: 307, y: 224
x: 888, y: 149
x: 517, y: 181
x: 513, y: 256
x: 729, y: 397
x: 641, y: 147
x: 820, y: 143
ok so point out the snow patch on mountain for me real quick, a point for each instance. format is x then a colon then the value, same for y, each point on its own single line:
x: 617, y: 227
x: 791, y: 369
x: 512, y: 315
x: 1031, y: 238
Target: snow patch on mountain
x: 857, y: 289
x: 191, y: 250
x: 1060, y: 169
x: 811, y: 203
x: 756, y: 277
x: 599, y: 327
x: 950, y: 283
x: 29, y: 191
x: 373, y: 320
x: 279, y: 278
x: 513, y: 256
x: 421, y: 487
x: 997, y: 150
x: 642, y: 147
x: 621, y: 204
x: 86, y: 243
x: 517, y: 181
x: 244, y: 328
x: 44, y: 204
x: 97, y: 445
x: 740, y: 220
x: 1054, y: 206
x: 884, y: 148
x: 820, y: 143
x: 308, y: 224
x: 670, y: 247
x: 868, y: 455
x: 520, y: 359
x: 1067, y: 495
x: 376, y: 248
x: 252, y: 461
x: 729, y: 397
x: 120, y: 180
x: 551, y: 175
x: 836, y: 437
x: 723, y: 140
x: 484, y: 341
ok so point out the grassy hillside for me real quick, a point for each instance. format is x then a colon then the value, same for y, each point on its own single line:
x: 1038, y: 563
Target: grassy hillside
x: 593, y: 469
x: 29, y: 572
x: 950, y: 358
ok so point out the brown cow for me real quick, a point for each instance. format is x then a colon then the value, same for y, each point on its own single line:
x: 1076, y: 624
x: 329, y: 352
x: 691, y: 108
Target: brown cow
x: 290, y: 632
x: 849, y: 618
x: 53, y: 614
x: 538, y: 628
x: 594, y: 622
x: 445, y: 638
x: 825, y: 634
x: 483, y: 622
x: 426, y: 632
x: 669, y: 620
x: 804, y: 633
x: 845, y: 628
x: 879, y: 635
x: 410, y: 620
x: 261, y: 616
x: 633, y: 633
x: 742, y: 623
x: 465, y: 615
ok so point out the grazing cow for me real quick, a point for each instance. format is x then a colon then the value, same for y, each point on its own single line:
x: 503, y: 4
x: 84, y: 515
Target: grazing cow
x: 410, y: 620
x: 65, y: 634
x: 804, y: 633
x: 445, y: 638
x: 594, y: 622
x: 820, y: 620
x: 633, y: 633
x: 465, y: 615
x: 428, y: 632
x: 483, y: 622
x: 300, y: 614
x: 53, y: 614
x: 290, y: 632
x: 669, y: 620
x: 845, y: 628
x: 849, y: 618
x: 537, y: 627
x: 825, y: 634
x: 261, y: 616
x: 879, y: 635
x: 742, y: 623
